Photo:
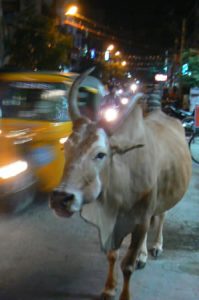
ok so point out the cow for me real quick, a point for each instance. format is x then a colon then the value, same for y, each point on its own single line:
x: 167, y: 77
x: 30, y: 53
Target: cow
x: 122, y: 176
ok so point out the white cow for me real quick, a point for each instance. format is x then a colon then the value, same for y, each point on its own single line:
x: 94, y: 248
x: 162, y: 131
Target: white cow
x: 121, y: 178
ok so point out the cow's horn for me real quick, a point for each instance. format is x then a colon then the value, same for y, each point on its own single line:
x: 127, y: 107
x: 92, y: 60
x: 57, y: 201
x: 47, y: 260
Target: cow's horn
x: 73, y: 95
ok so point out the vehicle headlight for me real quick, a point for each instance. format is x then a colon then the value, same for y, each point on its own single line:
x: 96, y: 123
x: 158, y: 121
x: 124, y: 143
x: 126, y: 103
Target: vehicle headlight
x: 133, y: 87
x: 110, y: 114
x: 119, y: 92
x: 124, y: 100
x: 13, y: 169
x: 63, y: 140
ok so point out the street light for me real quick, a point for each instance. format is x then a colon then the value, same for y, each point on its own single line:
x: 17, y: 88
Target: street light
x: 123, y: 63
x: 72, y: 10
x: 110, y: 47
x: 117, y: 53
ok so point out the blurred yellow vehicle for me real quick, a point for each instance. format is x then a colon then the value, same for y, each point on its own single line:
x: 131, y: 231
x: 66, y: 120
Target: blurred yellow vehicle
x: 17, y: 181
x: 34, y: 124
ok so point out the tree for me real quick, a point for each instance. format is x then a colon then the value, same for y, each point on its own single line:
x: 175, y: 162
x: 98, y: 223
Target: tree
x: 190, y: 68
x: 38, y: 44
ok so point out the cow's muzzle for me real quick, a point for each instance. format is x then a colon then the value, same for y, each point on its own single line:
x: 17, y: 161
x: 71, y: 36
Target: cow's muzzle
x: 60, y: 202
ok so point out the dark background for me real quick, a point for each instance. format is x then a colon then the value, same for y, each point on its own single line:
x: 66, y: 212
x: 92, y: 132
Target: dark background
x: 148, y: 27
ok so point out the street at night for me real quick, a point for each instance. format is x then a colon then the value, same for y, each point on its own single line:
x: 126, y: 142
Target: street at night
x: 99, y: 141
x: 45, y: 257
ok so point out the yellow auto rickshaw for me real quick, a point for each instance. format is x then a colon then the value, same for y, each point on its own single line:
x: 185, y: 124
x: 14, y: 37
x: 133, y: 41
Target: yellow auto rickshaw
x: 35, y: 123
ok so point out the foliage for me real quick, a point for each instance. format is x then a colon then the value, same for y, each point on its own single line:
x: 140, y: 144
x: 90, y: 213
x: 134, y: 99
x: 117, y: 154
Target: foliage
x: 38, y: 44
x: 191, y: 57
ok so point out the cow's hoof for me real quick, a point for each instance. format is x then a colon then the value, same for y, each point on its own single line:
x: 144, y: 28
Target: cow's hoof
x: 141, y: 260
x: 140, y: 264
x: 156, y: 252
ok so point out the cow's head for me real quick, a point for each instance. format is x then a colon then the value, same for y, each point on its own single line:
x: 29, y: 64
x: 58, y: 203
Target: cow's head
x: 87, y: 152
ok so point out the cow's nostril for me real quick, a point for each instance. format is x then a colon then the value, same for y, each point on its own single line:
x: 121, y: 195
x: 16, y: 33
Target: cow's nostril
x: 62, y: 197
x: 68, y: 197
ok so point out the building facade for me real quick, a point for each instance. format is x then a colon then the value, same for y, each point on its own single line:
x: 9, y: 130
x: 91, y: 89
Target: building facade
x: 10, y: 11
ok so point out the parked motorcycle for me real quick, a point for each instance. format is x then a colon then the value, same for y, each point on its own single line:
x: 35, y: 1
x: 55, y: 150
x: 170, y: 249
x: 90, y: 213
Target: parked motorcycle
x: 188, y: 124
x: 172, y: 110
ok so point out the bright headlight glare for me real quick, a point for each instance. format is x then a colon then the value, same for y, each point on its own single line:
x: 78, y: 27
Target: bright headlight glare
x: 13, y: 169
x: 133, y: 87
x: 110, y: 114
x: 63, y: 140
x: 124, y: 100
x: 119, y: 92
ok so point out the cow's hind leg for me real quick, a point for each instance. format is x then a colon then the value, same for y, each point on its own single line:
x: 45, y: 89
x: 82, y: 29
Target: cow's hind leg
x: 129, y: 261
x: 111, y: 281
x: 157, y: 247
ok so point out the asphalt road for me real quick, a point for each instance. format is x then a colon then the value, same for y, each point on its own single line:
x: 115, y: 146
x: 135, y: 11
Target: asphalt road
x: 44, y: 257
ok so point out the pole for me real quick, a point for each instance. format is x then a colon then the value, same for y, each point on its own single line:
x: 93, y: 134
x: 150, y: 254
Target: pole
x: 1, y: 35
x: 183, y: 33
x: 182, y: 45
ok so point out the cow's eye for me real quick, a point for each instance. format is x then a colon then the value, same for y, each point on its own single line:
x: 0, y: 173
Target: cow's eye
x: 100, y: 155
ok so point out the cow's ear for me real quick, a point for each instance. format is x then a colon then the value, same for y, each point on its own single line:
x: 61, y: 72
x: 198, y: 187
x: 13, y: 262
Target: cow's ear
x: 122, y: 146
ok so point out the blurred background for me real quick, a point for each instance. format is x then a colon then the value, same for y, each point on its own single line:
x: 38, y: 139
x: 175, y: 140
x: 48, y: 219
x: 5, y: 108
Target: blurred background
x: 124, y: 40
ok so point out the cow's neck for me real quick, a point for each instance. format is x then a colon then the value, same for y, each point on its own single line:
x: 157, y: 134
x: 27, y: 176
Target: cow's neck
x: 115, y: 176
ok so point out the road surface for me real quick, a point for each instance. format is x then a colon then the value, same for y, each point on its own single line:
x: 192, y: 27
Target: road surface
x: 44, y: 257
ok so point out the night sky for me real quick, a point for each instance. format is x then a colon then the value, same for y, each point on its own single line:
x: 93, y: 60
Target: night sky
x: 144, y: 27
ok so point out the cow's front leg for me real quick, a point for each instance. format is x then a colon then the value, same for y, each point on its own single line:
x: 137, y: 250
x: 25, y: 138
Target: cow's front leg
x: 143, y: 254
x: 129, y: 261
x: 111, y: 281
x: 158, y: 244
